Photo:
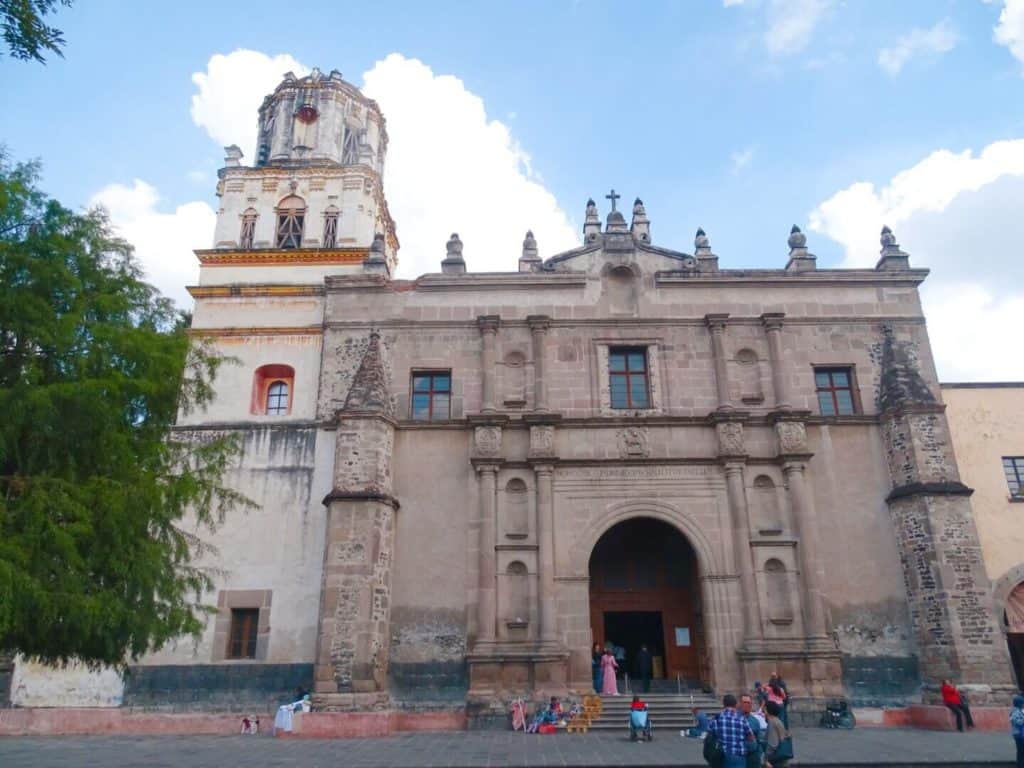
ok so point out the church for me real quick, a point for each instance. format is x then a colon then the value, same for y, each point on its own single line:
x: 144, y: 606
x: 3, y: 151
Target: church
x: 467, y: 480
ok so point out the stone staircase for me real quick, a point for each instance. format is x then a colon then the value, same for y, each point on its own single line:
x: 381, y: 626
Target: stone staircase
x: 668, y: 711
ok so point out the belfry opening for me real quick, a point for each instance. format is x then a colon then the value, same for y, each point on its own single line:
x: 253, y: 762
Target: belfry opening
x: 645, y: 590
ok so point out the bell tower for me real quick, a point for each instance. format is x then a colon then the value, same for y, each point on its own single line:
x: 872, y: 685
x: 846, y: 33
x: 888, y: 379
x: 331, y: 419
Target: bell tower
x: 312, y: 203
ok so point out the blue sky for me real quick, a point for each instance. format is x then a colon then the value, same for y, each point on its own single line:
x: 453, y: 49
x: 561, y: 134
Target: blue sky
x: 741, y: 117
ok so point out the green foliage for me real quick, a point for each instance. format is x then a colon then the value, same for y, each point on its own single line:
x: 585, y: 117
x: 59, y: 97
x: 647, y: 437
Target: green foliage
x: 26, y: 34
x: 95, y: 561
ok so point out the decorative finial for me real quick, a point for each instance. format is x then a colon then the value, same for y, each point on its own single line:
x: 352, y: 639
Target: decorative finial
x: 888, y: 239
x: 529, y: 261
x: 378, y: 244
x: 701, y: 243
x: 638, y: 203
x: 454, y: 247
x: 591, y: 222
x: 797, y: 239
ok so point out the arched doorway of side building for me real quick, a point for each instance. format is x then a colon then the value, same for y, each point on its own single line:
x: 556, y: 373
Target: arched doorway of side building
x: 644, y: 589
x: 1013, y: 618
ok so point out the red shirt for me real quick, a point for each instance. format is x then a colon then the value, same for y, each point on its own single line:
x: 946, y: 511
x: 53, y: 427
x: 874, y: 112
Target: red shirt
x: 950, y: 695
x: 638, y: 705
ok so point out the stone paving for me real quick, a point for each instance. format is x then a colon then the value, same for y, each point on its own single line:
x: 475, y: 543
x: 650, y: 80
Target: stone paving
x: 835, y: 749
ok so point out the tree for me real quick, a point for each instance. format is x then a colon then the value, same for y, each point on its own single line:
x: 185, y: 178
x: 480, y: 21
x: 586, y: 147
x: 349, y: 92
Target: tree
x: 95, y: 484
x: 26, y: 34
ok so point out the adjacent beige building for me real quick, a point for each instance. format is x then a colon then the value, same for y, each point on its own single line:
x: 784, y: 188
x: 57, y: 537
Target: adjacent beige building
x: 467, y: 479
x: 987, y: 425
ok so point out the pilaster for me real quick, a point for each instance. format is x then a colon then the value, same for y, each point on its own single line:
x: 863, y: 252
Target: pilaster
x: 772, y: 322
x: 488, y: 325
x: 716, y: 324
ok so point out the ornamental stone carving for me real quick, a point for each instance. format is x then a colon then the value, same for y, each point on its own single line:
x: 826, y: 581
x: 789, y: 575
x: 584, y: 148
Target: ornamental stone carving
x: 633, y: 443
x: 792, y: 437
x: 542, y: 440
x: 487, y: 441
x: 730, y: 439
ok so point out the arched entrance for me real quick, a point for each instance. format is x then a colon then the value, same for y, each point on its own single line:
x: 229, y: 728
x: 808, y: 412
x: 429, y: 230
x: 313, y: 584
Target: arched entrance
x: 1014, y: 624
x: 644, y: 588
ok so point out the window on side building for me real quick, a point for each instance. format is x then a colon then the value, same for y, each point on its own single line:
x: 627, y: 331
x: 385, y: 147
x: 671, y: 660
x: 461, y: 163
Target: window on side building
x: 835, y: 391
x: 431, y: 395
x: 242, y: 636
x: 248, y: 234
x: 628, y: 371
x: 1013, y: 467
x: 272, y: 389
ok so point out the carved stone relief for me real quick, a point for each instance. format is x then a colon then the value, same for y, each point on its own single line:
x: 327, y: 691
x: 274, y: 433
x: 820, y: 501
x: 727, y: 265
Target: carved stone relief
x: 633, y: 443
x: 542, y: 440
x: 487, y: 441
x: 792, y: 437
x: 730, y: 439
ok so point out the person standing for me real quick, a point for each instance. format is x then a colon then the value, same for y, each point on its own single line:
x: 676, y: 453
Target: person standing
x: 778, y: 692
x: 1017, y: 727
x: 644, y: 667
x: 609, y: 686
x: 951, y: 698
x: 775, y: 751
x: 733, y: 733
x: 595, y: 666
x: 759, y: 726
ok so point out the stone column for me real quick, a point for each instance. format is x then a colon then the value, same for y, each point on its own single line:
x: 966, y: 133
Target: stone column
x: 716, y: 325
x: 488, y: 325
x: 807, y: 534
x: 773, y: 327
x: 539, y: 325
x: 546, y: 552
x: 487, y: 615
x: 741, y: 545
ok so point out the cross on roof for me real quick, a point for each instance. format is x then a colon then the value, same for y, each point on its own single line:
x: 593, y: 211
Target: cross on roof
x: 613, y: 197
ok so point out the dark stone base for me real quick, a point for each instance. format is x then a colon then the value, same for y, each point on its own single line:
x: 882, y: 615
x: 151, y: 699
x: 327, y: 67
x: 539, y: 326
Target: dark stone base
x: 215, y: 687
x: 428, y: 685
x: 5, y: 687
x: 875, y: 681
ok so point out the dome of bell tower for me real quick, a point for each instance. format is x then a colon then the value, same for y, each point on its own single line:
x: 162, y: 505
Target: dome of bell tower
x: 320, y: 119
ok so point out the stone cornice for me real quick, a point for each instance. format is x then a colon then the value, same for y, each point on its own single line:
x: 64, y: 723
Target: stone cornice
x: 340, y: 495
x: 610, y: 322
x: 260, y: 289
x: 810, y: 277
x: 269, y: 257
x: 495, y: 281
x: 947, y: 488
x: 299, y: 330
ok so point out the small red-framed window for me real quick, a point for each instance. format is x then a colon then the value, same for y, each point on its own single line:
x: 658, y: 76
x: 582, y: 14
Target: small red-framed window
x: 273, y: 390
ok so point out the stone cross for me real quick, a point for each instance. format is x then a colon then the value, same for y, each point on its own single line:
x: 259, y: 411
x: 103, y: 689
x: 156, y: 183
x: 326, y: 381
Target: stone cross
x: 613, y: 197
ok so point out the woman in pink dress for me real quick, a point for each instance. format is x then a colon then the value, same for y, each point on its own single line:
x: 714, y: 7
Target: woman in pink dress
x: 608, y: 666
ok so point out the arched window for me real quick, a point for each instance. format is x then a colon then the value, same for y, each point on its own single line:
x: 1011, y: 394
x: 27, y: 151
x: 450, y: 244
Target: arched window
x: 272, y: 390
x: 248, y: 233
x: 291, y: 218
x: 780, y: 607
x: 277, y: 398
x: 331, y: 216
x: 517, y: 509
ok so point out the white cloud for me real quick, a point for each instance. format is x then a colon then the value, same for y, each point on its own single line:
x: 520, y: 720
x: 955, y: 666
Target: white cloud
x: 957, y: 214
x: 1010, y: 29
x: 940, y: 38
x: 231, y: 91
x: 163, y: 241
x: 451, y: 169
x: 740, y: 159
x: 729, y: 3
x: 791, y: 23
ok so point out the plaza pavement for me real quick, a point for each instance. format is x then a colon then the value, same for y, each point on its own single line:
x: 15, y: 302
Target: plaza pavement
x: 835, y: 749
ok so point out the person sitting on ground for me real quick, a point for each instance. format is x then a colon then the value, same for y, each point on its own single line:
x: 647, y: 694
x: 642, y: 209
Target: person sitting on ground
x: 733, y: 733
x: 953, y: 699
x: 777, y: 733
x: 701, y: 729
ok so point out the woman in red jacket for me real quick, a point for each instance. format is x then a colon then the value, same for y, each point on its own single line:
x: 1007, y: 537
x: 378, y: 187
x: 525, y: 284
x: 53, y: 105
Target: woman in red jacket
x: 951, y: 698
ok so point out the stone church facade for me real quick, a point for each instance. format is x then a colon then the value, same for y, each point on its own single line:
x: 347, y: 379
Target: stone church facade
x: 467, y: 479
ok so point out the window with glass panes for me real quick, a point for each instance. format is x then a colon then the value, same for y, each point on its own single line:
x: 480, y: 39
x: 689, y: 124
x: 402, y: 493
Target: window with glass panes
x: 242, y: 637
x: 277, y: 398
x: 627, y: 367
x: 835, y: 391
x: 431, y: 395
x: 1013, y: 468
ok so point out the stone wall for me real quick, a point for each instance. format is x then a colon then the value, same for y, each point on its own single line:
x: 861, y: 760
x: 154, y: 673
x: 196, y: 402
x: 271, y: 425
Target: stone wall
x: 236, y: 687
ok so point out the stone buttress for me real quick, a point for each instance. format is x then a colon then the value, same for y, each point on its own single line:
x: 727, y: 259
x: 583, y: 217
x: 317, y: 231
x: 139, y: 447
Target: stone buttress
x: 355, y: 600
x: 948, y: 590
